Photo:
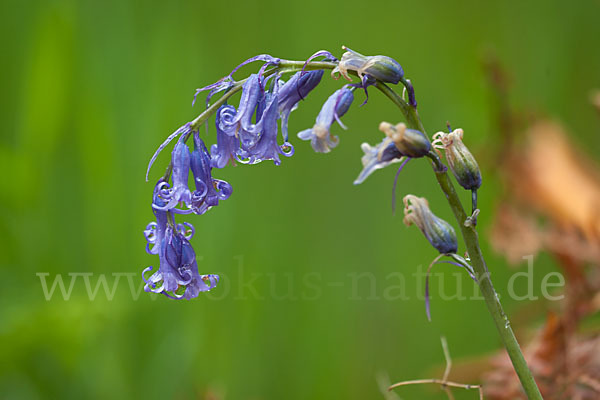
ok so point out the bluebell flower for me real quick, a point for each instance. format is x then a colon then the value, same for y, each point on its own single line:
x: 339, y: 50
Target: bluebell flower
x: 179, y: 192
x: 377, y: 157
x: 199, y: 283
x: 267, y: 147
x: 209, y: 190
x: 400, y: 145
x: 294, y: 90
x: 242, y: 124
x: 438, y: 232
x: 170, y: 274
x: 183, y: 131
x: 177, y: 276
x: 228, y: 144
x: 155, y: 231
x: 263, y: 100
x: 336, y: 106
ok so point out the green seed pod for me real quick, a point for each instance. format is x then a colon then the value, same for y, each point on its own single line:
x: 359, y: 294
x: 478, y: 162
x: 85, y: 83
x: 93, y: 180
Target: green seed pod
x: 460, y: 160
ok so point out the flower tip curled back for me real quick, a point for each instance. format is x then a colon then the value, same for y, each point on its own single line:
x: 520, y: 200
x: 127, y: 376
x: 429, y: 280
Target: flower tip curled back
x: 438, y: 232
x: 224, y: 151
x: 266, y: 147
x: 320, y: 138
x: 208, y: 189
x: 179, y: 193
x: 177, y: 276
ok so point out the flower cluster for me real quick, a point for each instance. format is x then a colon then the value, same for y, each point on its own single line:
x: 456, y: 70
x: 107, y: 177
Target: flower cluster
x: 246, y: 134
x: 177, y: 276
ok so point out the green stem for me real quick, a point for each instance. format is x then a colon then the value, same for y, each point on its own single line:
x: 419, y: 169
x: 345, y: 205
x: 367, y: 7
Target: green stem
x: 469, y: 233
x: 472, y: 242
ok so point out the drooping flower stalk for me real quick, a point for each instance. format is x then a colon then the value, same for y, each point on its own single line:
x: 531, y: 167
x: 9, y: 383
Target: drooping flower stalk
x: 471, y: 240
x: 249, y: 133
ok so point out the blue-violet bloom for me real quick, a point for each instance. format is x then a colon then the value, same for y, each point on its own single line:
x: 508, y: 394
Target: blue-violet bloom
x: 209, y: 190
x: 228, y: 144
x: 155, y: 231
x: 179, y: 193
x: 267, y: 147
x: 242, y: 124
x: 178, y: 268
x: 294, y: 90
x: 183, y: 131
x: 334, y: 107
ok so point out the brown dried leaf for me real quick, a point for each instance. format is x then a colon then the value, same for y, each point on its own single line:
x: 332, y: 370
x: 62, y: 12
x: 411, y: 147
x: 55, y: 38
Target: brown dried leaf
x: 565, y: 366
x: 557, y: 180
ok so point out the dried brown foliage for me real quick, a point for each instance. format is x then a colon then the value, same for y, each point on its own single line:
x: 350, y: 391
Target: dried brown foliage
x: 552, y: 204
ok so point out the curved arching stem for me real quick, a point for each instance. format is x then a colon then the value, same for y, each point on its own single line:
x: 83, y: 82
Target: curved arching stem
x: 471, y: 239
x: 468, y: 231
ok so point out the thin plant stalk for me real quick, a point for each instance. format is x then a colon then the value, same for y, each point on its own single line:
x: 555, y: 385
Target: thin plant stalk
x: 471, y: 239
x: 468, y: 230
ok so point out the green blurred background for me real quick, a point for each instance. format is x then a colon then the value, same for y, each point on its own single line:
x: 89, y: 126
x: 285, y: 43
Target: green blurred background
x: 90, y: 88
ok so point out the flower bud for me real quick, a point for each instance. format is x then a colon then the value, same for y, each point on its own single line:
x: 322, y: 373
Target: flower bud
x: 410, y: 142
x: 382, y: 68
x: 460, y: 160
x: 440, y: 233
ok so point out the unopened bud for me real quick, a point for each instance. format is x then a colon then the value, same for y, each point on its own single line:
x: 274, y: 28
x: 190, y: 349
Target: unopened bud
x: 382, y: 68
x: 410, y: 142
x: 440, y: 233
x: 460, y: 160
